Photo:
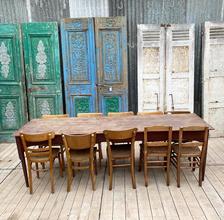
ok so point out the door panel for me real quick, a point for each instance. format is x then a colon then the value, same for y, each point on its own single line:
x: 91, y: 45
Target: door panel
x: 151, y: 67
x: 180, y: 67
x: 42, y: 62
x: 13, y: 112
x: 111, y: 48
x: 78, y: 48
x: 213, y: 77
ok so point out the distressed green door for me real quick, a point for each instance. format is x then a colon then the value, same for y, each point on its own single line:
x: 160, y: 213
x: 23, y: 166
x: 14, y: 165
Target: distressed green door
x: 12, y: 92
x: 111, y: 50
x: 42, y: 62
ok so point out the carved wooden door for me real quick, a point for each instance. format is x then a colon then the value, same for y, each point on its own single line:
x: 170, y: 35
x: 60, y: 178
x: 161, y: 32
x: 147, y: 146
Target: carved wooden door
x: 78, y: 50
x: 213, y: 77
x: 151, y: 67
x: 180, y: 67
x: 111, y: 50
x: 12, y: 92
x: 42, y: 64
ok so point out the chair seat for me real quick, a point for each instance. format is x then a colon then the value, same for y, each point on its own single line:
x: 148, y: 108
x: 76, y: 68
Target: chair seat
x: 80, y: 155
x: 55, y: 152
x: 121, y: 151
x: 187, y: 151
x: 156, y: 151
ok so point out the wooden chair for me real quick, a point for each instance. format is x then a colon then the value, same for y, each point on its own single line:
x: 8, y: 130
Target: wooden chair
x: 120, y: 146
x: 93, y: 115
x: 80, y: 149
x: 61, y: 147
x: 36, y: 155
x: 55, y: 116
x: 178, y: 112
x: 191, y: 151
x: 120, y: 114
x: 90, y: 115
x: 155, y: 153
x: 150, y: 113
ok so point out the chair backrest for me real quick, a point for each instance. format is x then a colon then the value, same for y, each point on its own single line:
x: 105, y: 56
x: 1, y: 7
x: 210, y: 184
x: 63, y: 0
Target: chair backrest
x: 55, y: 116
x: 158, y: 136
x: 120, y: 114
x: 120, y: 136
x: 89, y: 115
x: 178, y: 112
x: 79, y: 141
x: 187, y: 140
x: 150, y: 113
x: 29, y: 141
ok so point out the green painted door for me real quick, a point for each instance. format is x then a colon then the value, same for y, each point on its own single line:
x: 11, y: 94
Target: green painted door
x: 42, y: 64
x: 12, y: 93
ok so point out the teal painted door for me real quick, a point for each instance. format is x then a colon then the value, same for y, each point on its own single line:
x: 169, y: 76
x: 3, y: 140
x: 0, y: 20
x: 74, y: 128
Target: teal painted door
x: 111, y: 50
x: 12, y: 93
x: 42, y: 65
x: 78, y: 50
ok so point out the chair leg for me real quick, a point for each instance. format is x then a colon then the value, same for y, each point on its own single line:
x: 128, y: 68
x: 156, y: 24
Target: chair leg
x: 37, y: 170
x: 194, y: 164
x: 52, y: 176
x: 60, y: 164
x: 62, y: 158
x: 145, y: 169
x: 95, y: 164
x: 30, y: 176
x: 69, y: 176
x: 133, y: 174
x: 178, y: 171
x: 110, y: 174
x: 168, y: 173
x: 140, y: 161
x: 93, y: 177
x: 100, y: 154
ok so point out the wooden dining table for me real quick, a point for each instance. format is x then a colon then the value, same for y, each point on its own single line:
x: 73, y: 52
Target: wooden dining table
x: 89, y: 125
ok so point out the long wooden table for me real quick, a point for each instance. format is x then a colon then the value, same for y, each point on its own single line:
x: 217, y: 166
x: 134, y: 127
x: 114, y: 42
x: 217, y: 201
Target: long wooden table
x: 98, y: 125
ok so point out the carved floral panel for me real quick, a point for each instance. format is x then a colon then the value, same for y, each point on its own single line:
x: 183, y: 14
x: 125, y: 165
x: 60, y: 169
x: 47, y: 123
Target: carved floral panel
x: 9, y: 115
x: 42, y: 59
x: 111, y: 55
x: 82, y: 104
x: 44, y: 106
x: 111, y: 104
x: 78, y: 56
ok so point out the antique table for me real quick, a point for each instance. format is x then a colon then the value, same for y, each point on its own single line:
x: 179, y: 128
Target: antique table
x: 98, y: 125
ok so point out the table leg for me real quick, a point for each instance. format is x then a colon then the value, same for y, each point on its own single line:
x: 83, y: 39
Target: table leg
x: 22, y: 159
x: 204, y: 165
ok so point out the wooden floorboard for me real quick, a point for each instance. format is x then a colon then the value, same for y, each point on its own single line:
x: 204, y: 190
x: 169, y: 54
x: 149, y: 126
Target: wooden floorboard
x: 157, y: 201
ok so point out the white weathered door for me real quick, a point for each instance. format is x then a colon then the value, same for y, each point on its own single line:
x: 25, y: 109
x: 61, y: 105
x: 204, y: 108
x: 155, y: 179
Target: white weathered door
x: 213, y: 77
x: 180, y: 67
x: 151, y: 54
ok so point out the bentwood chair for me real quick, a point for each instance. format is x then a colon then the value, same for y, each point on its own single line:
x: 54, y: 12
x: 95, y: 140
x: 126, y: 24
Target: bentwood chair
x: 81, y: 154
x: 120, y: 147
x: 156, y: 150
x: 150, y: 113
x: 93, y: 115
x: 55, y: 116
x: 61, y: 147
x: 120, y: 114
x: 178, y: 112
x: 36, y: 155
x: 191, y: 152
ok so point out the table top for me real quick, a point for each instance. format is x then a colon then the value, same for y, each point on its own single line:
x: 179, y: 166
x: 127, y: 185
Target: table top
x: 88, y: 125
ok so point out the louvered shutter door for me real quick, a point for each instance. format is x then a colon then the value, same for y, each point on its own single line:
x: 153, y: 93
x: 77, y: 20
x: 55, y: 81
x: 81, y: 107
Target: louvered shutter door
x: 213, y: 77
x: 180, y: 67
x: 151, y: 67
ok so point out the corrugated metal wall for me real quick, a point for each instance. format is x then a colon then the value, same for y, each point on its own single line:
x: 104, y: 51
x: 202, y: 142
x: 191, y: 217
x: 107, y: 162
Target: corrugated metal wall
x: 136, y: 11
x: 165, y: 11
